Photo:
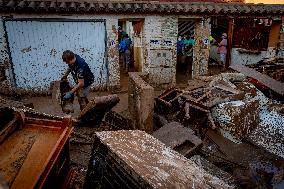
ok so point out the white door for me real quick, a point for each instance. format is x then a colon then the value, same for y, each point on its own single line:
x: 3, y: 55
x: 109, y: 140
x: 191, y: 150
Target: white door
x: 36, y: 49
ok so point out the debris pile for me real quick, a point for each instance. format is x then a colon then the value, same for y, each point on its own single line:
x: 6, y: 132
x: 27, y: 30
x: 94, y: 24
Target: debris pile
x: 231, y: 105
x: 193, y: 105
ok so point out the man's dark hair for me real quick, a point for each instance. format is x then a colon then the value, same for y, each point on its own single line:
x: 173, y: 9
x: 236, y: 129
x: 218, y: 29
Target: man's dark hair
x: 67, y: 55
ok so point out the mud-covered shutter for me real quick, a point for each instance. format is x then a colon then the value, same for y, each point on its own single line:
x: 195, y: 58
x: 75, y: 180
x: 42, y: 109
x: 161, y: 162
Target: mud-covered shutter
x: 36, y: 48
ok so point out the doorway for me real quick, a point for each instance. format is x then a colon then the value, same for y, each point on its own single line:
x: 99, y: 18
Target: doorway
x: 185, y: 42
x: 133, y: 28
x: 219, y: 26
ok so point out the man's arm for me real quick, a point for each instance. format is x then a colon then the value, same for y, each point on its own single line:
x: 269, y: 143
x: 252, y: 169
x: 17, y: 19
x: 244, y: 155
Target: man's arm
x: 78, y: 86
x: 71, y: 93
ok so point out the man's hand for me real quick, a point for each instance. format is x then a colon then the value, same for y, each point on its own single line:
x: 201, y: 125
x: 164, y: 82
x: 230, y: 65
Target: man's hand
x: 64, y: 78
x: 68, y: 95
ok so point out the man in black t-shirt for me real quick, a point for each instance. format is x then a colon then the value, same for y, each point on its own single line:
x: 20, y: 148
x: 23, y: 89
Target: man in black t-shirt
x: 82, y: 76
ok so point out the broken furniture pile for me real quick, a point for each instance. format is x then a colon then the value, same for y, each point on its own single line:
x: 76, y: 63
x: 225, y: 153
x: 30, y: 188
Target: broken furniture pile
x: 236, y: 109
x: 268, y: 78
x: 193, y: 105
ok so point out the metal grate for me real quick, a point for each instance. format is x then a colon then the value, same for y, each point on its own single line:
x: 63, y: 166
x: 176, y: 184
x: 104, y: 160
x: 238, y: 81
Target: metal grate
x: 186, y: 28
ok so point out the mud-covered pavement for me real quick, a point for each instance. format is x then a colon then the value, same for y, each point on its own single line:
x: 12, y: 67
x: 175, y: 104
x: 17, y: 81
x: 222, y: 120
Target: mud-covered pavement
x: 81, y: 140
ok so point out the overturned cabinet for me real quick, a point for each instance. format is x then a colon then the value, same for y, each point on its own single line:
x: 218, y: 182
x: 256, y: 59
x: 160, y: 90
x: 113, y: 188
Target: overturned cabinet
x: 135, y: 159
x: 34, y: 152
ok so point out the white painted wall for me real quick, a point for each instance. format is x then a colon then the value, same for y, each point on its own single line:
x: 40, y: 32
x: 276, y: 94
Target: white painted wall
x: 160, y: 48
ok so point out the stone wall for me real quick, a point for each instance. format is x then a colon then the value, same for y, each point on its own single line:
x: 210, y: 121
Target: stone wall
x: 112, y: 53
x: 201, y: 47
x: 141, y: 101
x: 160, y: 49
x: 156, y: 51
x: 157, y: 47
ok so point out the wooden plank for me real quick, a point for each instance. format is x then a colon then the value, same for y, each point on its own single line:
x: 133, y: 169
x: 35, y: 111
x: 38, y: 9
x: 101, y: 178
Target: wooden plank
x: 269, y: 82
x: 9, y: 128
x: 226, y: 88
x: 230, y: 42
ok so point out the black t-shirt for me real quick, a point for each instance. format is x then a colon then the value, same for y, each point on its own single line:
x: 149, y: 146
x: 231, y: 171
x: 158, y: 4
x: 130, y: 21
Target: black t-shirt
x: 81, y: 70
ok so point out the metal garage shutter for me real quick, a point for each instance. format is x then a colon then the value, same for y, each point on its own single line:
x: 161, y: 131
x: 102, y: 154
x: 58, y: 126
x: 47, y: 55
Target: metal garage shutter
x: 36, y: 48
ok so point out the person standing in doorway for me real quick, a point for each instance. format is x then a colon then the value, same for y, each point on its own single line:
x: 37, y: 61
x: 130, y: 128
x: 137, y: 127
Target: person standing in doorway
x: 188, y: 53
x: 222, y: 49
x: 180, y: 46
x: 82, y: 75
x: 125, y: 50
x: 121, y: 34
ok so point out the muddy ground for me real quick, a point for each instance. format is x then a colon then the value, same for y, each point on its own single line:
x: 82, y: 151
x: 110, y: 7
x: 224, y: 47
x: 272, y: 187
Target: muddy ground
x: 82, y: 137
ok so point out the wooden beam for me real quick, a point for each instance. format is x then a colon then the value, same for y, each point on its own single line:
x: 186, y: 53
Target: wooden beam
x: 269, y: 82
x: 230, y: 41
